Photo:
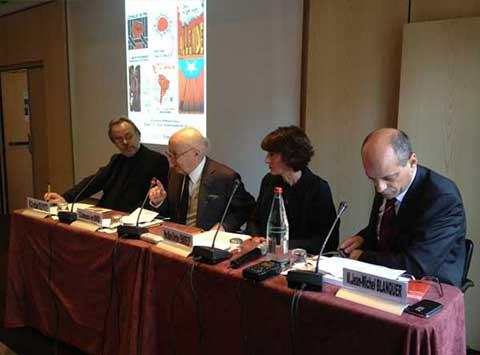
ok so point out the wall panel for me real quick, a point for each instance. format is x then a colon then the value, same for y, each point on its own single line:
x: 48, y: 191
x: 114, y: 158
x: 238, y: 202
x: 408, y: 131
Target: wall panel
x: 38, y: 34
x: 430, y: 10
x: 439, y: 107
x: 352, y: 88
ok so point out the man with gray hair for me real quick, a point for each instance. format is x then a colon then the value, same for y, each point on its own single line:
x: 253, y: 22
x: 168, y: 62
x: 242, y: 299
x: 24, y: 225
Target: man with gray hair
x: 417, y: 221
x: 199, y: 187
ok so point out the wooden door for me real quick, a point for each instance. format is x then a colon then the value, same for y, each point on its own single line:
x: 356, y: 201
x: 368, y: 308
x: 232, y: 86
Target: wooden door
x: 16, y: 126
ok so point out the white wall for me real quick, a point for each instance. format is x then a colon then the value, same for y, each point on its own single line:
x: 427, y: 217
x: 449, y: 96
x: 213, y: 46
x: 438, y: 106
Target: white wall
x: 254, y: 55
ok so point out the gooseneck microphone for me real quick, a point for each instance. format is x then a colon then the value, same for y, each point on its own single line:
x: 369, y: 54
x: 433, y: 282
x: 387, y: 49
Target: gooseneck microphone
x: 70, y: 216
x: 255, y: 253
x: 212, y: 255
x: 308, y: 280
x: 134, y: 232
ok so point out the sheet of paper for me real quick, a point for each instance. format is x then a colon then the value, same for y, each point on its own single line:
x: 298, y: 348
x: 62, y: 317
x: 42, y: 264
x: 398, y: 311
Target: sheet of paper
x: 222, y: 241
x: 371, y: 301
x: 335, y: 265
x: 146, y: 216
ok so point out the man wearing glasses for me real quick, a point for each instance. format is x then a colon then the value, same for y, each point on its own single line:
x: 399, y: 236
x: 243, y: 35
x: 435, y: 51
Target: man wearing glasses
x: 126, y: 178
x: 417, y: 221
x: 199, y: 187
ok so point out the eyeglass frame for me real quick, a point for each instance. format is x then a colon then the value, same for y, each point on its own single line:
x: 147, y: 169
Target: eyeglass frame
x: 172, y: 156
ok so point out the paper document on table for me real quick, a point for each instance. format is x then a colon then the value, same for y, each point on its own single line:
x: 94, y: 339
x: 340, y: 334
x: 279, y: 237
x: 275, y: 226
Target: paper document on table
x: 146, y: 216
x: 68, y: 207
x: 335, y: 265
x: 371, y: 301
x: 222, y: 241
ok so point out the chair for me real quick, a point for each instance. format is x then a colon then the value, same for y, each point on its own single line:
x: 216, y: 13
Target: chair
x: 466, y: 282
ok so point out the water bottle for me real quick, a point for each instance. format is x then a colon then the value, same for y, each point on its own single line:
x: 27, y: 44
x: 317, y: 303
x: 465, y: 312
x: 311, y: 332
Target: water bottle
x: 277, y: 229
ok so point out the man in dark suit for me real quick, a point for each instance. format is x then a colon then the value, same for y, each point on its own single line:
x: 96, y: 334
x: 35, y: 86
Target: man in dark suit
x: 126, y: 179
x: 199, y: 187
x: 417, y: 221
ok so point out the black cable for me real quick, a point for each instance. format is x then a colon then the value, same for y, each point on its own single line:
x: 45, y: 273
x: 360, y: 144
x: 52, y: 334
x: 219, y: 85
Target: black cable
x: 172, y: 308
x: 294, y: 317
x: 52, y: 294
x: 196, y: 300
x: 111, y: 292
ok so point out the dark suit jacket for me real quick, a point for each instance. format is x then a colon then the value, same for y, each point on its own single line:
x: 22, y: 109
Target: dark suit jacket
x: 430, y: 230
x: 216, y: 185
x: 310, y: 211
x: 124, y: 181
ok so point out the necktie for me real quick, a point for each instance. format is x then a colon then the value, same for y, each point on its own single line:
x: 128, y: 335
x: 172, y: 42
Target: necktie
x: 387, y: 227
x: 184, y: 196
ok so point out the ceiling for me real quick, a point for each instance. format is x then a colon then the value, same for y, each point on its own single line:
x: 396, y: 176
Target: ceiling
x: 9, y: 6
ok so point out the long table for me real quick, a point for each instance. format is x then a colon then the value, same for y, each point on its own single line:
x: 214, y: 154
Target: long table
x: 60, y: 282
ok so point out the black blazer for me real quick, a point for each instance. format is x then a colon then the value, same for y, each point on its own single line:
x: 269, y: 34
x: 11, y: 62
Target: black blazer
x: 216, y: 185
x: 310, y: 211
x: 430, y: 230
x: 124, y: 181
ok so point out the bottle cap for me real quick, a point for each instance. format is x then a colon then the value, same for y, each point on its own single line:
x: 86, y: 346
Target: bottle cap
x: 278, y: 190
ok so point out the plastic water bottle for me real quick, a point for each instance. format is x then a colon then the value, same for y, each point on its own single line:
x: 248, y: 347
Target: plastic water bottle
x: 277, y: 229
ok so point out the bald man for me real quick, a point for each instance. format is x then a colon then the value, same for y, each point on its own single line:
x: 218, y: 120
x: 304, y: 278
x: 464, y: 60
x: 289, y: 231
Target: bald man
x: 417, y: 221
x: 199, y: 187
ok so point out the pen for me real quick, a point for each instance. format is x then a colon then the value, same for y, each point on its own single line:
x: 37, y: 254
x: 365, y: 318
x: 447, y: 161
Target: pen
x: 49, y: 187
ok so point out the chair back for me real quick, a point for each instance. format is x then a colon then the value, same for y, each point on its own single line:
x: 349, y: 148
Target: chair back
x: 466, y: 283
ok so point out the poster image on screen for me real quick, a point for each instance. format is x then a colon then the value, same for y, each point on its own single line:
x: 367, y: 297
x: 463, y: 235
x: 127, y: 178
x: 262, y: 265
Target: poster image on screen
x: 166, y: 66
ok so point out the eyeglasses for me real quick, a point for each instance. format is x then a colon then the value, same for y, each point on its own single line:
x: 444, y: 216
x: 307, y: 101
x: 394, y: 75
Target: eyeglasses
x: 176, y: 156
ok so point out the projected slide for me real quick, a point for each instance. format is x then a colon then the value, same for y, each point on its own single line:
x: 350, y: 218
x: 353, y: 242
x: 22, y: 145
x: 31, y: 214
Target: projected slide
x: 166, y: 66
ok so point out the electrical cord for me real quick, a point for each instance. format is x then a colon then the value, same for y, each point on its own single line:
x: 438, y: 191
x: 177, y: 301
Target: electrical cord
x: 294, y: 317
x: 196, y: 300
x: 172, y: 337
x: 52, y: 294
x: 113, y: 289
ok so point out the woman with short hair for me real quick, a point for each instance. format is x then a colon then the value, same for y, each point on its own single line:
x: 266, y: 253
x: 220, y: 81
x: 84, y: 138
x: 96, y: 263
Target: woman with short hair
x: 308, y: 199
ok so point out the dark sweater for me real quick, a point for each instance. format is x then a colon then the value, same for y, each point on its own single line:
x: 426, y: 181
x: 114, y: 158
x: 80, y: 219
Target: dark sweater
x: 124, y: 181
x: 310, y: 211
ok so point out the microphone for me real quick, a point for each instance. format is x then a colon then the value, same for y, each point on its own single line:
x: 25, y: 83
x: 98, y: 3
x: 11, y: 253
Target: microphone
x: 70, y: 216
x: 212, y: 255
x: 309, y: 280
x: 134, y: 232
x: 255, y: 253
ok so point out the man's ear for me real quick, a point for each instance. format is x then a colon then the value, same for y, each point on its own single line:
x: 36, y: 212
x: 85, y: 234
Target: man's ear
x: 413, y: 161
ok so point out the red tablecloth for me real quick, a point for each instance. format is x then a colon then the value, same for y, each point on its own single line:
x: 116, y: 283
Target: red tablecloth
x: 81, y: 276
x: 234, y: 316
x: 161, y: 314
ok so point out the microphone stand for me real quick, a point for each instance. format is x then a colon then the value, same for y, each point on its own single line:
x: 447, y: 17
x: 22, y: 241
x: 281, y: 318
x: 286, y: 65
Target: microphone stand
x: 134, y: 232
x: 308, y: 280
x: 70, y: 216
x: 212, y: 255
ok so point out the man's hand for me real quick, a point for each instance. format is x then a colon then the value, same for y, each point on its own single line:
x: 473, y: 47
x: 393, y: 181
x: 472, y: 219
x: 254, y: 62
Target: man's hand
x: 351, y: 244
x: 356, y: 254
x: 53, y: 197
x: 157, y: 194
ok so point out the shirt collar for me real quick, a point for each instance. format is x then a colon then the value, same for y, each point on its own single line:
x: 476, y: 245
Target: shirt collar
x: 196, y: 174
x: 400, y: 197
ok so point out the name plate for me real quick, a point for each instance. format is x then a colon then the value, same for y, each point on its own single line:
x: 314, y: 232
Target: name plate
x: 376, y: 285
x: 178, y: 235
x: 37, y: 204
x: 86, y: 215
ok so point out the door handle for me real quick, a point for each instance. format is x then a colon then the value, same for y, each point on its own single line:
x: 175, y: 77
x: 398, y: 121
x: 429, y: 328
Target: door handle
x: 18, y: 143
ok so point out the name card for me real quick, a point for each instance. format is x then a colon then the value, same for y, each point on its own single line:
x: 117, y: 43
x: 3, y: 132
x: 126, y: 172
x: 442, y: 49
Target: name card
x: 37, y: 204
x: 178, y: 236
x: 385, y: 288
x: 91, y: 216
